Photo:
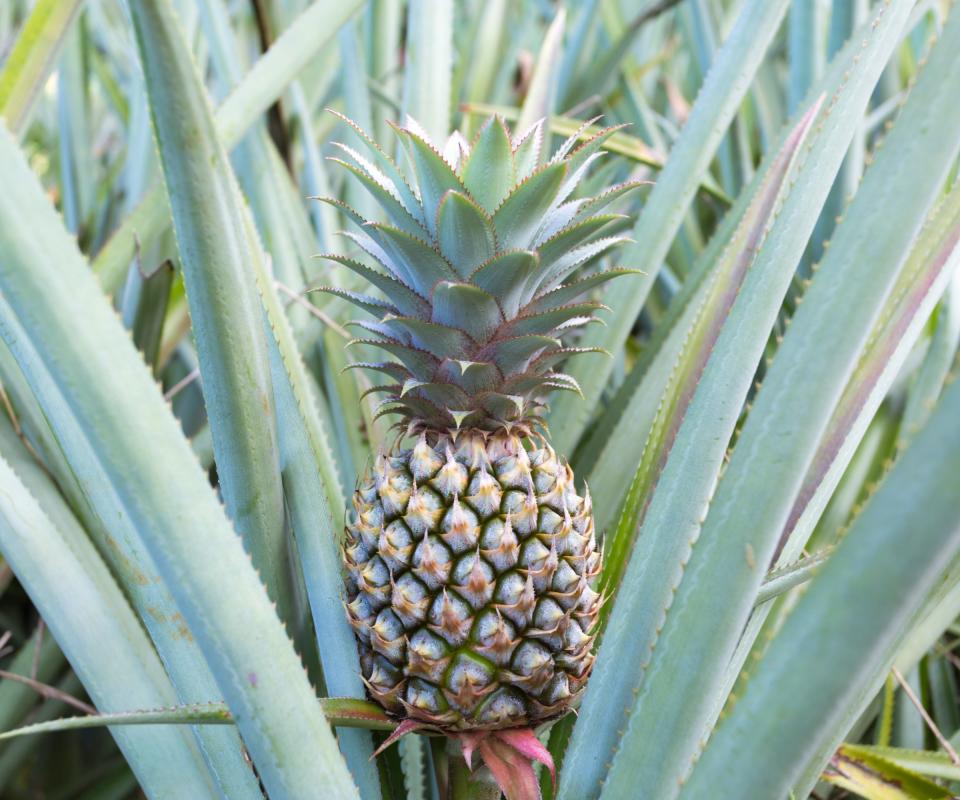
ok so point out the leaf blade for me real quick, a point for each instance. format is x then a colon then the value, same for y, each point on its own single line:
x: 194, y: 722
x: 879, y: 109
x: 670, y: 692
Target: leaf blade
x: 719, y: 99
x: 867, y: 613
x: 87, y: 613
x: 151, y: 475
x: 735, y: 575
x: 225, y: 313
x: 258, y: 90
x: 32, y: 58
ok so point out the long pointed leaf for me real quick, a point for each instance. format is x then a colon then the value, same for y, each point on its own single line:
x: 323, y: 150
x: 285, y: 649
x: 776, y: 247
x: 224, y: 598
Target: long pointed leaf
x: 931, y: 264
x: 341, y: 712
x: 75, y: 463
x: 225, y: 312
x: 741, y: 528
x: 32, y: 58
x: 867, y: 593
x: 933, y: 260
x: 429, y: 56
x: 104, y: 394
x: 541, y: 95
x: 259, y: 89
x: 664, y: 210
x: 726, y: 284
x: 315, y: 502
x: 87, y: 613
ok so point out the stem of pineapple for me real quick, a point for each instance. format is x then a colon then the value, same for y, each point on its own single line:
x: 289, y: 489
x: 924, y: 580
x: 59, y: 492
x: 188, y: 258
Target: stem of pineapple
x: 467, y: 785
x: 441, y: 764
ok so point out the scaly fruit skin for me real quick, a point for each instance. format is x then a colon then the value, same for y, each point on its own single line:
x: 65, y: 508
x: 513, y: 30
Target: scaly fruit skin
x: 470, y: 563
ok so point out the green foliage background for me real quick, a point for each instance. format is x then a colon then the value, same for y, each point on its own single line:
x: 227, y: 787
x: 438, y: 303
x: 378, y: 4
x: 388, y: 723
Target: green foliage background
x: 772, y: 442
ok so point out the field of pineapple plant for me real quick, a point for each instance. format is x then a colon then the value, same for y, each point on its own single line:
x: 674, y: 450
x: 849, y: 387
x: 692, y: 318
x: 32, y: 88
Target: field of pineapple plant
x: 466, y: 399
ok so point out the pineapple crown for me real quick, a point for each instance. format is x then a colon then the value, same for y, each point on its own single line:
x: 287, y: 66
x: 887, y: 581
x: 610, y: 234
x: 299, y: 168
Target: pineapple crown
x: 477, y: 260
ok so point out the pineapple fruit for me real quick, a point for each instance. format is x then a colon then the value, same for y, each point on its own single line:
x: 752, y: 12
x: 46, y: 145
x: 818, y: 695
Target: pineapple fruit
x: 470, y: 564
x: 470, y: 554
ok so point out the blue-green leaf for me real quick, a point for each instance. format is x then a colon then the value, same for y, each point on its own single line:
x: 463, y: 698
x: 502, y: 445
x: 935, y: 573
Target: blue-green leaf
x: 541, y: 95
x: 28, y: 64
x: 867, y: 593
x: 94, y: 387
x: 429, y: 60
x: 88, y: 614
x: 518, y: 219
x: 506, y: 277
x: 468, y: 307
x: 464, y: 232
x: 488, y: 172
x: 225, y: 312
x: 727, y: 550
x: 718, y: 101
x: 639, y: 581
x: 259, y: 89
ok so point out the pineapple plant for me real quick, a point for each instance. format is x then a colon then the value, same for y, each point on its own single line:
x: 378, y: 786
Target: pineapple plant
x: 771, y: 444
x: 470, y: 555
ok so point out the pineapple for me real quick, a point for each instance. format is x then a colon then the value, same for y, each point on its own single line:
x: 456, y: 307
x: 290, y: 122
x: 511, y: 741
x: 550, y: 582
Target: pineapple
x: 470, y: 554
x: 470, y: 564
